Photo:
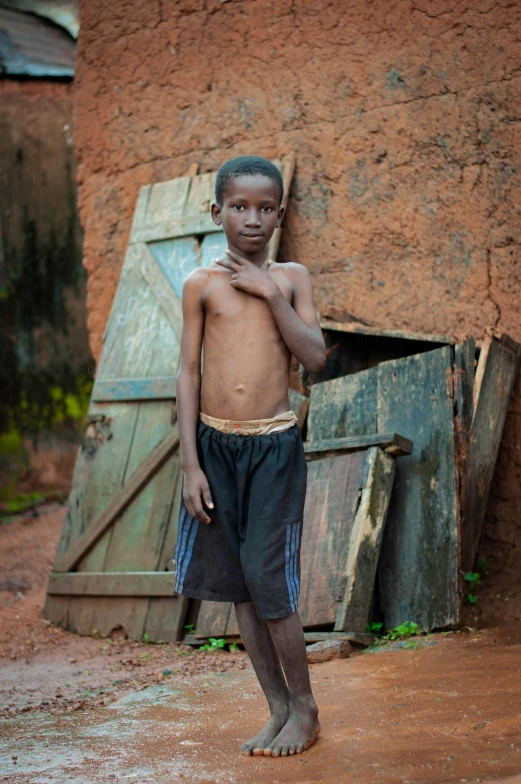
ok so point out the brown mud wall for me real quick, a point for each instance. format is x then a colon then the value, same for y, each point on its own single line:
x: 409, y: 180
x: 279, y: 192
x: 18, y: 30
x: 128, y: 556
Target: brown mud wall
x: 404, y: 117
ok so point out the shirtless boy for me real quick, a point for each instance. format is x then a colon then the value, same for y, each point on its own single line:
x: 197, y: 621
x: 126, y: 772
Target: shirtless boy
x: 241, y: 452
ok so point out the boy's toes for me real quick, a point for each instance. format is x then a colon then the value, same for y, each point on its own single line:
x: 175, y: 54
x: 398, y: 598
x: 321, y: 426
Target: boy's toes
x: 257, y: 752
x: 292, y: 748
x: 284, y: 751
x: 300, y: 748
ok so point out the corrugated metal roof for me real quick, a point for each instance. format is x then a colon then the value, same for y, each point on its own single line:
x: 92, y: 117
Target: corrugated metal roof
x: 31, y: 46
x: 63, y: 12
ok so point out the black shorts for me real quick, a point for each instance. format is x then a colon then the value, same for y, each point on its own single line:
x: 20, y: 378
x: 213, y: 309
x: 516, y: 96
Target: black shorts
x: 251, y: 549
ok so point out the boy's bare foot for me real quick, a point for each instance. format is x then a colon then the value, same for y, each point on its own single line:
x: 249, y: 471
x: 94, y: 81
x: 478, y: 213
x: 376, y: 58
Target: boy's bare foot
x: 271, y: 729
x: 300, y: 731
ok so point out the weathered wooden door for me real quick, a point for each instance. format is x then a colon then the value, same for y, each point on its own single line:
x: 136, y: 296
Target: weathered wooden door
x: 115, y: 552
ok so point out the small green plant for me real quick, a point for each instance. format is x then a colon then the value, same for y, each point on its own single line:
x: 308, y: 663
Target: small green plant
x: 145, y: 639
x: 190, y: 628
x: 403, y: 631
x: 374, y: 628
x: 214, y: 644
x: 473, y: 579
x: 233, y: 646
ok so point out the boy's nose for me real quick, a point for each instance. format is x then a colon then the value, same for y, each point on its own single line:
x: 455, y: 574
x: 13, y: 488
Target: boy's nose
x: 253, y: 218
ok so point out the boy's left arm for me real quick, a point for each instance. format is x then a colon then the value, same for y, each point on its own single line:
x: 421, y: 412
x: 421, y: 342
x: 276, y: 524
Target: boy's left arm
x: 298, y: 323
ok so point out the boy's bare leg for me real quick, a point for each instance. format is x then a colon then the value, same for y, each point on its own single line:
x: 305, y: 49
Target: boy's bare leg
x: 302, y: 727
x: 261, y: 650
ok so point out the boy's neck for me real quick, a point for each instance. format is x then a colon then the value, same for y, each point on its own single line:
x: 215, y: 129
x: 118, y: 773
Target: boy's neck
x: 257, y: 257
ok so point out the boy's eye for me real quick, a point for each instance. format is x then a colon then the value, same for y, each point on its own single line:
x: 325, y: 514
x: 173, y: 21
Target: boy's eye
x: 238, y: 207
x: 267, y: 209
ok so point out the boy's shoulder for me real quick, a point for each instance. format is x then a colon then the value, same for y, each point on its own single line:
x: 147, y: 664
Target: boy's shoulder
x: 199, y: 278
x: 295, y: 272
x: 293, y: 267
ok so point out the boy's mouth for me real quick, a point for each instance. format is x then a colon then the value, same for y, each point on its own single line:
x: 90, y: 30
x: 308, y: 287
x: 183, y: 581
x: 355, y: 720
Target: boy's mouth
x: 253, y: 236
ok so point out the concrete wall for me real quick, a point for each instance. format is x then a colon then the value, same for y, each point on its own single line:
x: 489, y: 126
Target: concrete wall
x: 404, y: 119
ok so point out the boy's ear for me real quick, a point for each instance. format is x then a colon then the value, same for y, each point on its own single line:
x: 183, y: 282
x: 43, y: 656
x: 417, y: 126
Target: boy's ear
x: 216, y: 214
x: 280, y: 216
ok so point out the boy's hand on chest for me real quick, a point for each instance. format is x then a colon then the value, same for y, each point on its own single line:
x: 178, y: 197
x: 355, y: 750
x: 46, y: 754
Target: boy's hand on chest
x: 249, y: 278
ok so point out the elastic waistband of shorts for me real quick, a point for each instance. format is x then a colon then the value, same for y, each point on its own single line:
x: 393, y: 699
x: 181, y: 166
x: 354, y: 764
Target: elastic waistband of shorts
x: 251, y: 427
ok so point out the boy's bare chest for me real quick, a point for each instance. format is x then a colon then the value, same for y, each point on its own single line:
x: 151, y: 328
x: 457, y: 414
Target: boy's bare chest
x: 225, y: 304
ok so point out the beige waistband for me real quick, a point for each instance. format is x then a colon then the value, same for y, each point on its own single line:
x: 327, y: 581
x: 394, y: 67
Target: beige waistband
x: 252, y: 427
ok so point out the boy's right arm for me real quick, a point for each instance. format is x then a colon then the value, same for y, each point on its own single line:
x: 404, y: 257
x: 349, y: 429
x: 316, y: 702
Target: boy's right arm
x: 195, y: 487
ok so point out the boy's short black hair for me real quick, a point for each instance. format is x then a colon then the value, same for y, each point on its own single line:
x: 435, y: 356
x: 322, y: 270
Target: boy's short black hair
x: 245, y: 164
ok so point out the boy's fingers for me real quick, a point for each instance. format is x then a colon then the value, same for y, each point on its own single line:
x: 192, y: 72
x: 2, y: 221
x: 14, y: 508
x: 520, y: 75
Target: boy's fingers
x: 239, y: 259
x: 231, y: 265
x: 207, y: 497
x: 202, y: 516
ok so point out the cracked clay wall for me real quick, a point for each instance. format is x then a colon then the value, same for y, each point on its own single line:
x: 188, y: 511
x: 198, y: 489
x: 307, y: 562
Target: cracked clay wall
x: 404, y: 116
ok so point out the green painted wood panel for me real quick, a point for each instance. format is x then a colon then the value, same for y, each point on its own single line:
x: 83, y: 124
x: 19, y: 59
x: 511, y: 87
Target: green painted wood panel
x: 344, y: 407
x: 418, y: 573
x: 412, y: 396
x: 134, y: 542
x: 134, y: 389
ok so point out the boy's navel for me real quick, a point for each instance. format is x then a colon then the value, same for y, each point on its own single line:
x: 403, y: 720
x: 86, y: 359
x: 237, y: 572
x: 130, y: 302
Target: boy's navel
x: 240, y: 388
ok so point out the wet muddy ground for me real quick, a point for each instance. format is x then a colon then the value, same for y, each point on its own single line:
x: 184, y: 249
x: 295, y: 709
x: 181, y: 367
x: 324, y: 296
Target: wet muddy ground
x: 448, y: 711
x: 84, y: 710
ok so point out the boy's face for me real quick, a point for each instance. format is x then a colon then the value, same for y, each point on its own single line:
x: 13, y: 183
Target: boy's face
x: 250, y: 212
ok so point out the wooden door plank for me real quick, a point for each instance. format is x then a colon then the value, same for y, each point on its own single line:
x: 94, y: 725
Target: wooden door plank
x: 100, y: 468
x: 364, y: 329
x: 164, y: 621
x: 135, y: 542
x: 112, y: 584
x: 496, y: 373
x: 363, y: 549
x: 392, y: 443
x: 232, y: 627
x: 119, y: 502
x: 200, y: 196
x: 184, y: 226
x: 123, y: 390
x: 299, y: 404
x: 287, y: 169
x: 418, y: 571
x: 176, y: 258
x: 163, y: 292
x: 142, y: 204
x: 332, y: 498
x: 344, y: 407
x: 132, y: 343
x: 213, y: 247
x: 166, y: 202
x: 212, y: 619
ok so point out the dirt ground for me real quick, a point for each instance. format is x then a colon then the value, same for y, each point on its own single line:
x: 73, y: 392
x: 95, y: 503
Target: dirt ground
x: 43, y: 667
x: 88, y: 710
